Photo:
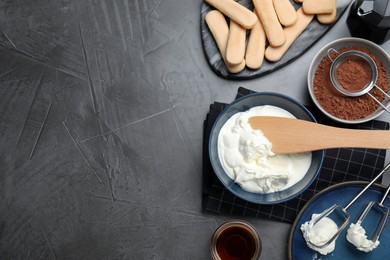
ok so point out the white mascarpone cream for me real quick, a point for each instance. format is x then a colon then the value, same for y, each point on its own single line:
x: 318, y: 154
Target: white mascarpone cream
x: 246, y: 155
x: 320, y: 233
x: 356, y: 235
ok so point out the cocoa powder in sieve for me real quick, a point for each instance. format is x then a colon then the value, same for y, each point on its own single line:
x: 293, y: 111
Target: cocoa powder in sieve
x: 354, y: 74
x: 342, y: 106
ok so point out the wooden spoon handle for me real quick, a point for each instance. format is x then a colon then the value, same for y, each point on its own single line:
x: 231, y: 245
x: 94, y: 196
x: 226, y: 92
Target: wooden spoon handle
x: 293, y: 136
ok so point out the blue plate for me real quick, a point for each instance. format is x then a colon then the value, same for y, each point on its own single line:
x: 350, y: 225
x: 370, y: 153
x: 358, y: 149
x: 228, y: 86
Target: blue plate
x: 341, y: 194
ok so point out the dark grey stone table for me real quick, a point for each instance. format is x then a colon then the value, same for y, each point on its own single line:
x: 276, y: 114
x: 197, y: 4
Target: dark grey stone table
x: 101, y: 112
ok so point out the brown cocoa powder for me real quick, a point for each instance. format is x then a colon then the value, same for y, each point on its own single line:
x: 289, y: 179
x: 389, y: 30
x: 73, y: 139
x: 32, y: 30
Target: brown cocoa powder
x: 342, y: 106
x: 354, y: 74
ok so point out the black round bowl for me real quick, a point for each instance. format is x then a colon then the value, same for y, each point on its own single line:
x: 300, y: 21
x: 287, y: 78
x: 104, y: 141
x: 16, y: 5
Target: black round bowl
x: 243, y: 104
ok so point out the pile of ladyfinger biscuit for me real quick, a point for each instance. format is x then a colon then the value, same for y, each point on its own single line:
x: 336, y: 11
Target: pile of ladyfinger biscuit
x: 273, y: 27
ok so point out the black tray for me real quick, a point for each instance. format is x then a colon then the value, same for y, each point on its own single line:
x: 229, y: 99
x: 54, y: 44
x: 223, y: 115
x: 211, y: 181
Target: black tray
x: 310, y: 36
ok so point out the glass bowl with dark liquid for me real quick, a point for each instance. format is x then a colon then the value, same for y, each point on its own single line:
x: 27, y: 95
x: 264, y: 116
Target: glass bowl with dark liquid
x: 235, y: 240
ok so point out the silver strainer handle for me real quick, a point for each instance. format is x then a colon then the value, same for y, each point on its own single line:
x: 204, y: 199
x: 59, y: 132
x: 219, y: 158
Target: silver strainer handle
x: 329, y: 51
x: 377, y: 101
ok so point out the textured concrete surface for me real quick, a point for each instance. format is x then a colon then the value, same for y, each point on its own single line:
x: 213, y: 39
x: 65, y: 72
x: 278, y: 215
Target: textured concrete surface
x: 101, y: 112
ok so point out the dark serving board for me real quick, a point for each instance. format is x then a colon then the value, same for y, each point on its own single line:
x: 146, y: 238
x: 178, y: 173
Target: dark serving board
x: 310, y: 36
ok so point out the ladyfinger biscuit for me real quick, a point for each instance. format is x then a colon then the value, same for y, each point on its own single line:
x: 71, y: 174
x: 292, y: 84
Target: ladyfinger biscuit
x: 254, y: 55
x: 235, y: 49
x: 318, y: 6
x: 235, y: 11
x: 292, y: 33
x: 269, y: 20
x: 328, y: 18
x: 285, y: 11
x: 220, y: 31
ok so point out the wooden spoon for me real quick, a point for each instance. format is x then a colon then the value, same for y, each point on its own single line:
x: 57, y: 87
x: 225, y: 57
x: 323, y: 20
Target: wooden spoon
x: 289, y: 135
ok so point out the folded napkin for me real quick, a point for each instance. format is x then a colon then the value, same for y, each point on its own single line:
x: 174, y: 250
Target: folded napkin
x: 339, y: 165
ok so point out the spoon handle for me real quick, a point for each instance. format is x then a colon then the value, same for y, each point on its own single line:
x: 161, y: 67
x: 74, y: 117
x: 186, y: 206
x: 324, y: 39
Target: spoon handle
x: 289, y: 135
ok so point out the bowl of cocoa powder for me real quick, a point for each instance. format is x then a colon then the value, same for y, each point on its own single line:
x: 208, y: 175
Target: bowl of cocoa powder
x: 337, y: 105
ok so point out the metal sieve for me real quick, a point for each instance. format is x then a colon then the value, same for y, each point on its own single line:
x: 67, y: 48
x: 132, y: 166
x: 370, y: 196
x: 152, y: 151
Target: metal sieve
x: 364, y: 59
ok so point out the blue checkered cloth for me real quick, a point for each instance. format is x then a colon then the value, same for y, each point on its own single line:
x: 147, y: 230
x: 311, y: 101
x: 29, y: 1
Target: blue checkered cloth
x: 340, y: 165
